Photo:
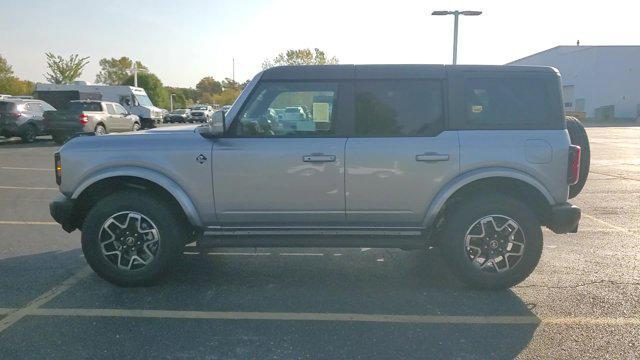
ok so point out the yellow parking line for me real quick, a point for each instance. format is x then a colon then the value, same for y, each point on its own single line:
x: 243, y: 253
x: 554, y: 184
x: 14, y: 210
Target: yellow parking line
x: 33, y: 305
x: 24, y: 168
x: 340, y: 317
x: 26, y: 188
x: 625, y: 230
x: 28, y: 223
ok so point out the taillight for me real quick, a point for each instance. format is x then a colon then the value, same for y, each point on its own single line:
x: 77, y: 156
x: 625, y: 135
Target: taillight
x: 83, y: 119
x: 58, y: 167
x: 573, y: 171
x: 15, y: 114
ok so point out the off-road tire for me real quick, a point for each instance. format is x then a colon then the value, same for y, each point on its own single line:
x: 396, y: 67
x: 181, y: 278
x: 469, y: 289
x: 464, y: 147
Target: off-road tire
x: 464, y: 215
x: 171, y: 228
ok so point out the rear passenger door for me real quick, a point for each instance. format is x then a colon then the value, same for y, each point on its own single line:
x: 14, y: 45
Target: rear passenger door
x: 399, y: 155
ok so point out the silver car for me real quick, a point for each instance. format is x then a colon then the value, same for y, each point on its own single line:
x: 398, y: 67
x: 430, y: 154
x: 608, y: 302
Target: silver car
x: 471, y: 159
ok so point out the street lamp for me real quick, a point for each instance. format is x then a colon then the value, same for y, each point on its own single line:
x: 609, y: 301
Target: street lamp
x: 455, y: 14
x: 171, y: 101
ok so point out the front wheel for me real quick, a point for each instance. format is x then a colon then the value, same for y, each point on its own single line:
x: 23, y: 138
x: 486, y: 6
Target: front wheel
x: 492, y: 241
x: 29, y: 134
x: 132, y: 239
x: 136, y: 127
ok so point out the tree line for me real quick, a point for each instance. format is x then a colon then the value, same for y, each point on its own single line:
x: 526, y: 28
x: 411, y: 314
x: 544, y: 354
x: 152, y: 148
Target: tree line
x: 117, y: 71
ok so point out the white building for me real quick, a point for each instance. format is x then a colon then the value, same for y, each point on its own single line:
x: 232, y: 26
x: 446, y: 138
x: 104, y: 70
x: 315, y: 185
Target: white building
x: 601, y: 81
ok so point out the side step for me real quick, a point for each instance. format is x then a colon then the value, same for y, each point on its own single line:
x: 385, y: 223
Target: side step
x: 404, y: 239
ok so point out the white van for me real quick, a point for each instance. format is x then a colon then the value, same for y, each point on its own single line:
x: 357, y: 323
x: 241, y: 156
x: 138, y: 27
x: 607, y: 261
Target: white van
x: 134, y: 99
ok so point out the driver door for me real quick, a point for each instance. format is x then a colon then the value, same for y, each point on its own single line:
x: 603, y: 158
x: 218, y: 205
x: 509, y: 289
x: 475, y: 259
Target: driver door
x: 268, y: 173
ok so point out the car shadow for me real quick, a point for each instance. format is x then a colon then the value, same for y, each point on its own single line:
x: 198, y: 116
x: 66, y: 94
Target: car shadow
x: 16, y: 142
x: 356, y: 281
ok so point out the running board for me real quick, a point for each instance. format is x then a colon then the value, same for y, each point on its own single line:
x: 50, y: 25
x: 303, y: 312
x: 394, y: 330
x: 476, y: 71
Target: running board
x: 387, y: 238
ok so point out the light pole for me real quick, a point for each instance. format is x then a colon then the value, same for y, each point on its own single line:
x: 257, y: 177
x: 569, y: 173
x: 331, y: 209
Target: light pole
x: 455, y: 14
x: 171, y: 101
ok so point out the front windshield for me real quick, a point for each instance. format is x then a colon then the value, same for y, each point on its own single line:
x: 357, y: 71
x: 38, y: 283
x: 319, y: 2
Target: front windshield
x: 143, y: 100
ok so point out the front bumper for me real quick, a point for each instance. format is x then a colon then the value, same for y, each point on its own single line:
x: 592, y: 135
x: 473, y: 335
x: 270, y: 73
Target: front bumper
x: 564, y: 218
x: 61, y: 209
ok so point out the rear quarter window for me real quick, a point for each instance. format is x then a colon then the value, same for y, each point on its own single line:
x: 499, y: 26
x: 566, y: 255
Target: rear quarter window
x: 6, y: 106
x: 77, y: 106
x: 526, y: 102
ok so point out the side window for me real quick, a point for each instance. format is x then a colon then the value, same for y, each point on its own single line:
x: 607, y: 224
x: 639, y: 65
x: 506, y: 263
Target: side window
x: 120, y: 110
x: 111, y: 110
x: 399, y: 108
x: 35, y: 107
x: 506, y: 102
x: 289, y: 109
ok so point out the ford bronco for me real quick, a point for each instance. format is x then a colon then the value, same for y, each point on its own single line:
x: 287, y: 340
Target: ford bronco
x: 471, y: 159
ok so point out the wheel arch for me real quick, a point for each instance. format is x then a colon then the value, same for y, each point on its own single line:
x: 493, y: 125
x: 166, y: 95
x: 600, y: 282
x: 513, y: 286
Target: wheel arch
x: 106, y: 182
x: 504, y: 180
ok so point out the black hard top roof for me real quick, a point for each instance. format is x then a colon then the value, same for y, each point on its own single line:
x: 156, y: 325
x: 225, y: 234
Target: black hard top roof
x: 409, y: 71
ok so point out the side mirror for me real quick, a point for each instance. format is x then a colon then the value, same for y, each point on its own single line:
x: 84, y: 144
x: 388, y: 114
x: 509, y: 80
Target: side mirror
x: 217, y: 124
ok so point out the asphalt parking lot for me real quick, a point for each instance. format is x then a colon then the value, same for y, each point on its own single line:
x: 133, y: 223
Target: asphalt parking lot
x: 583, y: 301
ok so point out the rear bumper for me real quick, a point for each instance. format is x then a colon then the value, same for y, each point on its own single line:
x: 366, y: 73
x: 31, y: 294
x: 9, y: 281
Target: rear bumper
x: 61, y: 209
x: 564, y: 218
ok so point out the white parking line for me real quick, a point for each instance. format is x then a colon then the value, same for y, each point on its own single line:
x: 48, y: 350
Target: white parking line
x: 24, y: 168
x: 236, y: 254
x: 26, y: 188
x: 4, y: 311
x: 300, y: 254
x: 340, y: 317
x: 33, y: 305
x: 28, y: 223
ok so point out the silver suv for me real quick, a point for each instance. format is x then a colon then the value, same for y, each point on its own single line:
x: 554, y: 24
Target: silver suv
x: 472, y: 159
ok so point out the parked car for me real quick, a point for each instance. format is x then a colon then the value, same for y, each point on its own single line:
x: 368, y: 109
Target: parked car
x: 200, y: 113
x: 177, y: 116
x: 471, y: 159
x: 225, y: 108
x: 134, y: 99
x: 82, y: 116
x: 23, y: 118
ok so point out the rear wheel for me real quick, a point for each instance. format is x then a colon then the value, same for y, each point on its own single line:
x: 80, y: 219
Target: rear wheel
x: 132, y: 239
x: 579, y: 137
x: 29, y: 134
x: 59, y: 139
x: 492, y: 241
x: 100, y: 130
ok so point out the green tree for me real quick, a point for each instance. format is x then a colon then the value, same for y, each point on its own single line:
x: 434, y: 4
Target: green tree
x: 209, y: 85
x: 64, y: 71
x: 11, y: 84
x: 6, y: 70
x: 114, y: 71
x: 300, y: 57
x: 153, y: 87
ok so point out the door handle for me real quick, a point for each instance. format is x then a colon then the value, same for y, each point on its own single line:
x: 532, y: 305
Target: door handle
x: 432, y: 157
x: 318, y: 158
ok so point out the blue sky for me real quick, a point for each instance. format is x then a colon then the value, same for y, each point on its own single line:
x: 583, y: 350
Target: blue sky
x: 183, y: 41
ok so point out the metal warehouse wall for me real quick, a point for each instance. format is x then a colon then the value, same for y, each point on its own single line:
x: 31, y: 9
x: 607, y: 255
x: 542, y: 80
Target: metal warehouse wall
x: 602, y: 75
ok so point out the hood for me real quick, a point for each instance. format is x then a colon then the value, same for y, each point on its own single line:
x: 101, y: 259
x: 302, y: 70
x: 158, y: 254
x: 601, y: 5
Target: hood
x: 169, y: 129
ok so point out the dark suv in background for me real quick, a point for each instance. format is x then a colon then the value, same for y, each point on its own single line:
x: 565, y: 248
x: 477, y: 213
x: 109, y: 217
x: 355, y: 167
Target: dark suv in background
x: 23, y: 118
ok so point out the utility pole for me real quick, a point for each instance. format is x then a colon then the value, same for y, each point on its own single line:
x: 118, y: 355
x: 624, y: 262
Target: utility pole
x: 456, y: 14
x: 134, y: 70
x: 233, y: 69
x: 171, y: 100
